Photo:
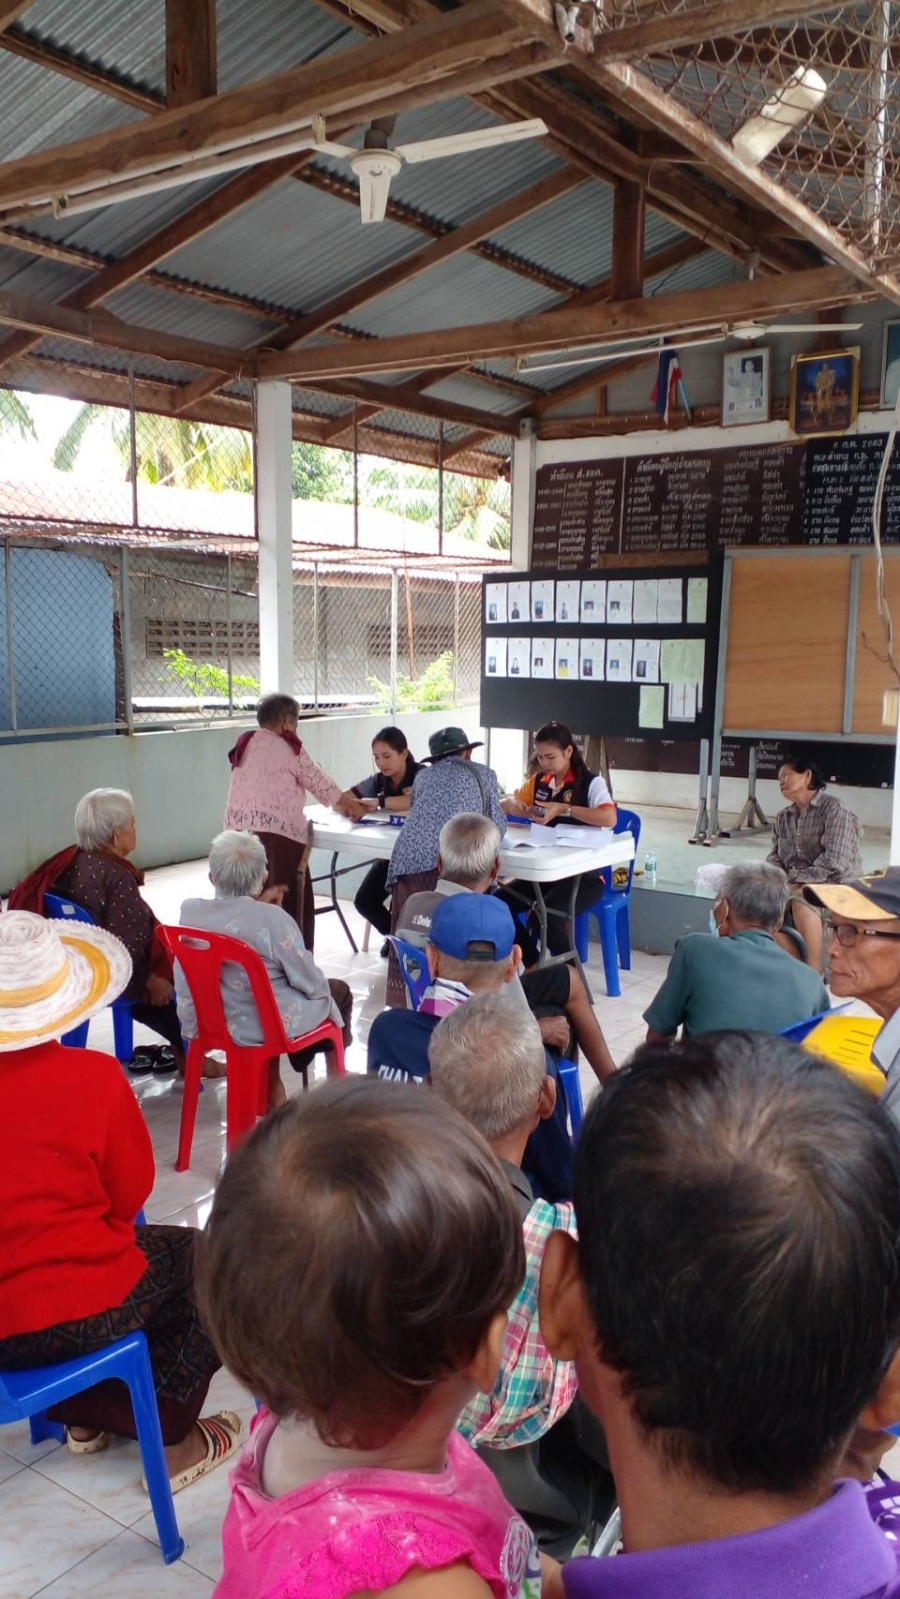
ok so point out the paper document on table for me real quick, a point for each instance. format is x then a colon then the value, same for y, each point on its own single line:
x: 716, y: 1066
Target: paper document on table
x: 581, y: 837
x: 516, y: 836
x: 669, y: 607
x: 696, y: 606
x: 652, y: 707
x: 645, y: 600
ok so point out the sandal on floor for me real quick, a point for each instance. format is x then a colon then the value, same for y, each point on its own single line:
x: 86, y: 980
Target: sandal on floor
x: 87, y: 1446
x: 223, y: 1433
x: 156, y: 1058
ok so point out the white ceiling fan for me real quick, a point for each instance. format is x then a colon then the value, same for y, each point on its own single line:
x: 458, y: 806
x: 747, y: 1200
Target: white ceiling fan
x: 378, y: 161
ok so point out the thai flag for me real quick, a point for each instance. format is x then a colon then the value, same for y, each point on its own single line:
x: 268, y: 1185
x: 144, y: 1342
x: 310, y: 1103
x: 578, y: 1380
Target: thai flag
x: 668, y: 381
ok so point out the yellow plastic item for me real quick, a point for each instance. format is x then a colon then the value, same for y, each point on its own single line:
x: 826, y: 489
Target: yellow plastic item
x: 847, y: 1041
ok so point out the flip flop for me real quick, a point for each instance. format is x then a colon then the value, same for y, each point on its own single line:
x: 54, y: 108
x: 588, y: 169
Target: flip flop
x: 157, y: 1058
x: 87, y: 1446
x: 223, y: 1433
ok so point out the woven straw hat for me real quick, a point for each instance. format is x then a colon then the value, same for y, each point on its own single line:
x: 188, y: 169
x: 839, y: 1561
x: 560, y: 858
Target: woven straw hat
x: 51, y: 981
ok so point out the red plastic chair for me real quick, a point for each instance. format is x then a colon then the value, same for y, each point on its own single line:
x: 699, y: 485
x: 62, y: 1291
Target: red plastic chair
x: 201, y: 956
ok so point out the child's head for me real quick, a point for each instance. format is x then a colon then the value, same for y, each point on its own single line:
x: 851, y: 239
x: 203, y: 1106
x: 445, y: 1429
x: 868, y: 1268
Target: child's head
x: 734, y: 1305
x: 362, y: 1245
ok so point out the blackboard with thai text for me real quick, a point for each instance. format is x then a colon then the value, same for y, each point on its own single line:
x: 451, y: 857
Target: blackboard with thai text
x: 809, y: 494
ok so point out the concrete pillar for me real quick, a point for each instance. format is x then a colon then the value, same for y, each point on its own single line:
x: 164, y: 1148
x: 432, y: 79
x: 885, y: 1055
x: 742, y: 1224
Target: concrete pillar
x: 276, y: 573
x: 522, y: 470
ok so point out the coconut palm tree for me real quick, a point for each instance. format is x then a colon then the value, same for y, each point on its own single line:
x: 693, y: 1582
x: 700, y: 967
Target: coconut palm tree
x: 170, y: 450
x: 15, y: 416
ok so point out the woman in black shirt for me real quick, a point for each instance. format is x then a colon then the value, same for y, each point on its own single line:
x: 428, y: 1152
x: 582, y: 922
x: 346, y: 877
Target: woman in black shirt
x: 388, y: 789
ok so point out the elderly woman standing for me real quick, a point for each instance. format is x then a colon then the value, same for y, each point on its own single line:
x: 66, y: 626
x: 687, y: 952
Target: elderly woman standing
x: 96, y: 874
x: 244, y: 908
x: 270, y: 774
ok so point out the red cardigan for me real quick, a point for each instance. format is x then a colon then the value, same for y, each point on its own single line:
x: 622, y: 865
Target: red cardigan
x: 76, y: 1165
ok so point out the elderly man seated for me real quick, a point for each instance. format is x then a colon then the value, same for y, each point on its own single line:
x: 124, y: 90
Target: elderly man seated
x: 243, y: 908
x: 488, y: 1062
x: 739, y: 978
x: 472, y: 951
x: 97, y: 874
x: 469, y: 863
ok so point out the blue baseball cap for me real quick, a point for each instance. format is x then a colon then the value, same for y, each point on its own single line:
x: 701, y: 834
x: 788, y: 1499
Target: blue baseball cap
x: 473, y: 927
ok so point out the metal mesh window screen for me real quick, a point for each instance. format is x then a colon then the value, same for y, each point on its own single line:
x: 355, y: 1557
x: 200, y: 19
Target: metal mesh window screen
x: 194, y: 625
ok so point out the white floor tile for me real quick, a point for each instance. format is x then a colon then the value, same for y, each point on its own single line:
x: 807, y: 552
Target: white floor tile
x: 130, y: 1566
x: 46, y: 1531
x: 15, y: 1440
x: 8, y: 1465
x: 201, y: 1511
x: 109, y: 1480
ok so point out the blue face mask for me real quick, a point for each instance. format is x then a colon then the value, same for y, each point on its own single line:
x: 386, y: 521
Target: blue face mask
x: 713, y: 924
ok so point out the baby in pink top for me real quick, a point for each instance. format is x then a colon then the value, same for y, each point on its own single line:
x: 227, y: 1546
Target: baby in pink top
x: 361, y: 1253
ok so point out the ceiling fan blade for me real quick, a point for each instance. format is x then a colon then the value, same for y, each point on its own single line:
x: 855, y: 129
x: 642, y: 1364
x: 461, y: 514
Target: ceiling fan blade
x: 341, y: 152
x: 477, y: 139
x: 374, y: 188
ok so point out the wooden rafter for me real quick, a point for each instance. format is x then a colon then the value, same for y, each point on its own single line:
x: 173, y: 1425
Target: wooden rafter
x: 627, y: 242
x: 102, y: 328
x: 448, y: 55
x: 16, y: 41
x: 571, y: 328
x: 11, y: 12
x: 190, y: 51
x: 393, y: 277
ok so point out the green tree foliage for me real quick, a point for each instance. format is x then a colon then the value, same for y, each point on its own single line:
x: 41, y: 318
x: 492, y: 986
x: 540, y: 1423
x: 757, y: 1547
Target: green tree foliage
x: 15, y: 416
x: 203, y: 679
x: 319, y: 473
x: 170, y: 451
x: 433, y: 691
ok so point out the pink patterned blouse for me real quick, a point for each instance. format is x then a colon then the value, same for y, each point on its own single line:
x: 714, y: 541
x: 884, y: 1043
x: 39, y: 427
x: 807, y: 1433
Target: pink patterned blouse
x: 367, y: 1528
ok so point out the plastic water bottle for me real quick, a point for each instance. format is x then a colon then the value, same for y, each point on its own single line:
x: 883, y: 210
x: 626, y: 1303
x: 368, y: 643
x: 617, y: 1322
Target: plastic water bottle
x: 650, y: 867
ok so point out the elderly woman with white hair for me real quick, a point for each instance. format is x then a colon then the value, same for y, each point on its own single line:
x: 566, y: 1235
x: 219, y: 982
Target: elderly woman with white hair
x: 244, y: 908
x: 96, y: 874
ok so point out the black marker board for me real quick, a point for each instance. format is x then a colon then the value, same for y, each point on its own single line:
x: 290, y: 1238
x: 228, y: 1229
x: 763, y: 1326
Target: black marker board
x: 612, y: 709
x: 809, y: 494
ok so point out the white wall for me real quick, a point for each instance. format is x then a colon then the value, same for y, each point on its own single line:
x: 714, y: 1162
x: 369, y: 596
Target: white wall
x: 179, y: 782
x: 872, y: 805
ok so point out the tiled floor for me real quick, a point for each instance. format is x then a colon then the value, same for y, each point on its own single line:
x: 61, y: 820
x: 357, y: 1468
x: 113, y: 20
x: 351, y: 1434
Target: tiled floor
x: 76, y: 1526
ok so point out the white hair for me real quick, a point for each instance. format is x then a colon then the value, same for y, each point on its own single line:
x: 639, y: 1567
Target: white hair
x: 237, y: 865
x: 98, y: 815
x: 757, y: 893
x: 468, y: 846
x: 487, y: 1060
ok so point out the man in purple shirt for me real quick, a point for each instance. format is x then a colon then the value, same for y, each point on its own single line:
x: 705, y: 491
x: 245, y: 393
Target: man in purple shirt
x: 733, y: 1308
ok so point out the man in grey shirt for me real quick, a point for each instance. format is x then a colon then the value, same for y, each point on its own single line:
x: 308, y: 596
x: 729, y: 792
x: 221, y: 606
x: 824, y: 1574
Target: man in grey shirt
x: 243, y: 909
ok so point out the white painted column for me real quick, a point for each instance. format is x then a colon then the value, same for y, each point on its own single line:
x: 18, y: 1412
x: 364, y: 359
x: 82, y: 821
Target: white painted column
x: 895, y: 798
x: 522, y: 470
x: 276, y: 572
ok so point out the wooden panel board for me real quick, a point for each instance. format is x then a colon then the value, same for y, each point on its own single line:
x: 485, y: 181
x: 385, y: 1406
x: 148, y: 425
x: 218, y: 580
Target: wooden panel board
x: 787, y: 633
x: 873, y: 672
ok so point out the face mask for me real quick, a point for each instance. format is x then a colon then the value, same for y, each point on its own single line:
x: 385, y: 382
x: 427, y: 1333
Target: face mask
x: 713, y: 924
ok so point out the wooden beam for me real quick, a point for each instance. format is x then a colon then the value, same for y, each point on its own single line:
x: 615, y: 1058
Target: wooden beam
x: 406, y: 397
x: 570, y: 327
x: 190, y: 225
x: 661, y: 34
x: 19, y: 43
x: 393, y: 277
x: 102, y: 328
x: 438, y: 59
x: 190, y: 51
x: 627, y: 280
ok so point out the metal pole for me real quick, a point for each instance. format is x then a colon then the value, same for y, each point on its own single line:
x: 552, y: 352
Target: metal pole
x: 10, y: 662
x: 440, y: 488
x: 716, y: 777
x: 254, y: 440
x: 850, y: 654
x: 355, y: 476
x: 315, y: 635
x: 228, y: 651
x: 876, y: 135
x: 395, y: 624
x: 701, y: 828
x: 132, y: 432
x: 456, y: 642
x: 125, y: 585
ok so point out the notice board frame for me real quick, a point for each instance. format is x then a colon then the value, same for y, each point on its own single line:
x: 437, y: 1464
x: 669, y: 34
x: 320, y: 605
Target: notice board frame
x: 600, y: 707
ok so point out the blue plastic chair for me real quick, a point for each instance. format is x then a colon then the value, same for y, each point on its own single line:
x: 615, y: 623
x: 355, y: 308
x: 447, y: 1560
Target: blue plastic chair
x: 571, y: 1082
x: 60, y: 910
x: 413, y: 964
x: 801, y: 1030
x: 27, y: 1395
x: 612, y: 914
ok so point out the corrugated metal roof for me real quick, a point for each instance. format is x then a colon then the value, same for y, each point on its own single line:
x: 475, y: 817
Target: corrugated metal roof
x: 467, y: 289
x: 573, y: 236
x: 179, y: 314
x: 90, y: 355
x: 39, y: 109
x: 255, y: 41
x: 114, y: 230
x: 42, y: 280
x: 702, y: 272
x: 315, y: 247
x: 455, y: 189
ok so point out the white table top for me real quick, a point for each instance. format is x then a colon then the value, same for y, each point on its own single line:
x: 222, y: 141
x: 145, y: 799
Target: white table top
x: 545, y: 864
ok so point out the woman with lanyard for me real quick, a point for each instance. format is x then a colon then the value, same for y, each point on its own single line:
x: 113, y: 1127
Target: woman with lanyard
x: 388, y: 789
x: 560, y: 789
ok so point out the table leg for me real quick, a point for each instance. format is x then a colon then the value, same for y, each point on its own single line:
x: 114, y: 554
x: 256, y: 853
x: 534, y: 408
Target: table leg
x: 568, y: 955
x: 576, y: 884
